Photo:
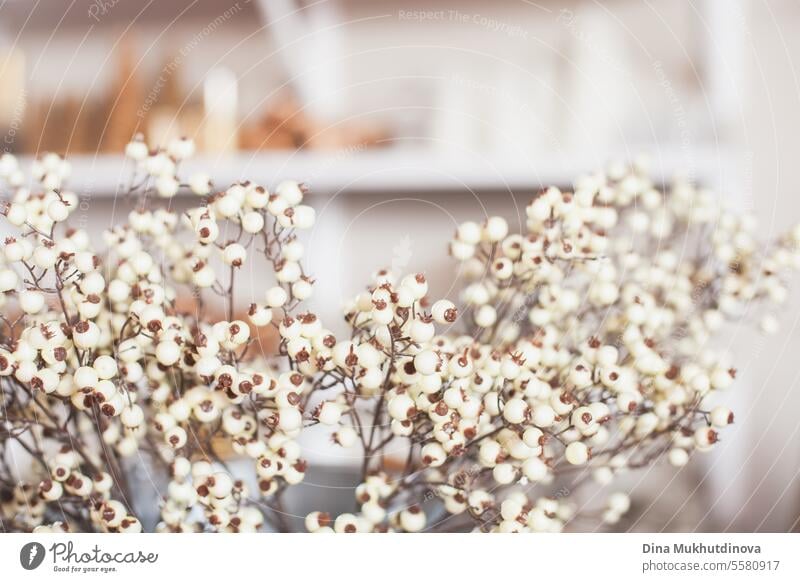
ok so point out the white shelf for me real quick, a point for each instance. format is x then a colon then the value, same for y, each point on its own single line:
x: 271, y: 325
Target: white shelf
x: 397, y: 170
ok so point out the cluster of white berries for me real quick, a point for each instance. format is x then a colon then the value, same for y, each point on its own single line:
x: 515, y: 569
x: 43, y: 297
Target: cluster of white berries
x: 581, y: 351
x: 105, y: 362
x: 222, y: 498
x: 578, y: 350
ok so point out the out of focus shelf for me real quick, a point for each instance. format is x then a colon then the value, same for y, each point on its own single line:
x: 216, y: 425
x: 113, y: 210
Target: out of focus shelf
x: 399, y: 170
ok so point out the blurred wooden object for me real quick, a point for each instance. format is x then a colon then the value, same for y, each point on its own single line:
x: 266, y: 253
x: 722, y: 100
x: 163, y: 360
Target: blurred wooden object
x: 285, y: 125
x: 161, y: 108
x: 125, y: 100
x: 66, y: 126
x: 71, y: 124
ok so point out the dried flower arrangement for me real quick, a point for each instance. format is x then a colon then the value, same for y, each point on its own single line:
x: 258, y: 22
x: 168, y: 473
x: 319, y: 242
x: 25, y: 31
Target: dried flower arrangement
x: 583, y: 351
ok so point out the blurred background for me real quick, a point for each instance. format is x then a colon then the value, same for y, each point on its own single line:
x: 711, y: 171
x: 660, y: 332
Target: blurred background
x: 406, y: 117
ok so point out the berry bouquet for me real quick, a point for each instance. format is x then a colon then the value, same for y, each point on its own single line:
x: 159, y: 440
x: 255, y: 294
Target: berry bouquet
x: 582, y: 348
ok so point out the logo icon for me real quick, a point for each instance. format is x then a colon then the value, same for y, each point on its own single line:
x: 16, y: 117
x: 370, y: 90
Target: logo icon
x: 31, y: 555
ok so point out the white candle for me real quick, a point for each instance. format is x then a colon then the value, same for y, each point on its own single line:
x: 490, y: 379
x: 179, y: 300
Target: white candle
x: 220, y: 98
